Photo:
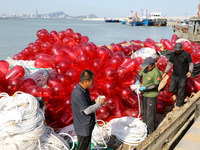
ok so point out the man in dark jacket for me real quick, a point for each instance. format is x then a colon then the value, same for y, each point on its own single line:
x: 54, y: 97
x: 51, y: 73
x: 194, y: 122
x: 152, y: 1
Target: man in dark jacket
x: 83, y: 110
x: 182, y: 69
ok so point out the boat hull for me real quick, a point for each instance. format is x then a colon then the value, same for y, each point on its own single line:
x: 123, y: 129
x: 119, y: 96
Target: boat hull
x: 123, y: 22
x: 135, y: 23
x: 146, y: 22
x: 158, y: 22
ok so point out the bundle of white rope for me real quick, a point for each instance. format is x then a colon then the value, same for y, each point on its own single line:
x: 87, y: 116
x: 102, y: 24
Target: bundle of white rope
x: 128, y: 130
x: 100, y: 136
x: 21, y: 121
x: 22, y: 125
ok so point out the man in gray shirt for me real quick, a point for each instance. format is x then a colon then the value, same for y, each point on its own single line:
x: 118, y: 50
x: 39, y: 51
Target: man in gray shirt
x: 83, y: 110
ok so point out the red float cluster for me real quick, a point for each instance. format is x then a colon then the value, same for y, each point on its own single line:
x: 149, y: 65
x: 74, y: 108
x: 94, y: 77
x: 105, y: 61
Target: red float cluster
x: 69, y: 53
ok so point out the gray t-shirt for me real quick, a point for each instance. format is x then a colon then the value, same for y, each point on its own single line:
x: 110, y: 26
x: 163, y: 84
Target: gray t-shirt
x: 80, y: 101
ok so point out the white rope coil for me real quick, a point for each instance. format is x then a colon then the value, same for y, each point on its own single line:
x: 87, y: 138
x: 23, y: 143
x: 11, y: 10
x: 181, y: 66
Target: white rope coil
x: 128, y: 130
x: 22, y: 125
x: 100, y: 136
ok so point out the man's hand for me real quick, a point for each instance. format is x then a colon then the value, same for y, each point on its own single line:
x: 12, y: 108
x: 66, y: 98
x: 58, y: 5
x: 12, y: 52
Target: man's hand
x: 164, y: 74
x: 102, y: 101
x: 188, y: 74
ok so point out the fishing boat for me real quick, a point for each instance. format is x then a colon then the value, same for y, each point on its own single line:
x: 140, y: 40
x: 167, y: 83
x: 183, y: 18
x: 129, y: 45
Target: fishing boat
x: 133, y: 20
x: 157, y: 19
x: 153, y: 19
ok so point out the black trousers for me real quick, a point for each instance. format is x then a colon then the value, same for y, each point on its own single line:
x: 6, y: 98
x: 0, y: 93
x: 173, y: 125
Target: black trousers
x: 178, y: 85
x: 148, y: 109
x: 84, y: 142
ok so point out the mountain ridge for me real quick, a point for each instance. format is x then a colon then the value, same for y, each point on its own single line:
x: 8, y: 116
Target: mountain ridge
x: 61, y: 14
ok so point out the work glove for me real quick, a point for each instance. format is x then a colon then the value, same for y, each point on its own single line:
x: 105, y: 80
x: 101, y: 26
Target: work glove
x: 137, y: 82
x: 143, y: 88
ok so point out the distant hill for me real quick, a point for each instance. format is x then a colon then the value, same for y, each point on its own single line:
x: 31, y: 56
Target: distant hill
x: 61, y: 14
x: 57, y: 14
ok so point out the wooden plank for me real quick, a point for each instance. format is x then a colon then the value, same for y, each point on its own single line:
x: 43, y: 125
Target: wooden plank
x: 170, y: 126
x: 180, y: 133
x: 197, y: 110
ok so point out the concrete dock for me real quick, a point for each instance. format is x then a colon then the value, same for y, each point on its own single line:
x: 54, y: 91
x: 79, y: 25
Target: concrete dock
x: 191, y: 140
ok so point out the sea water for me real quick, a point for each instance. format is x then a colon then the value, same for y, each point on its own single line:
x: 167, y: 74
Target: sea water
x: 16, y: 34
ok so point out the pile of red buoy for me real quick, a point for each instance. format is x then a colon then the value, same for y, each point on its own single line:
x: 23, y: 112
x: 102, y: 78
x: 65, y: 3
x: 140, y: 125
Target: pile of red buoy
x: 69, y: 53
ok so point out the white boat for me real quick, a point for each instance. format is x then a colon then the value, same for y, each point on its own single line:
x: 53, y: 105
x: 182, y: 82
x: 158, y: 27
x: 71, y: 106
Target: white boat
x: 157, y: 19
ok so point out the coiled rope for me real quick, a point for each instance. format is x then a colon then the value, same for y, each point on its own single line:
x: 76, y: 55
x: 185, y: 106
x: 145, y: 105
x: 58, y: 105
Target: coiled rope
x: 128, y: 130
x: 22, y: 125
x: 100, y: 136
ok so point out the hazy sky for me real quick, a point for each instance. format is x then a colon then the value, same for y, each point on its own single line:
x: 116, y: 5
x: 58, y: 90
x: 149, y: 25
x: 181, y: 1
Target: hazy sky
x: 101, y: 8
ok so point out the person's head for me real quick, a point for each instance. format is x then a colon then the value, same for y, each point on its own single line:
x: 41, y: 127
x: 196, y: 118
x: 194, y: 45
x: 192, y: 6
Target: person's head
x: 149, y: 64
x: 178, y: 48
x: 87, y: 79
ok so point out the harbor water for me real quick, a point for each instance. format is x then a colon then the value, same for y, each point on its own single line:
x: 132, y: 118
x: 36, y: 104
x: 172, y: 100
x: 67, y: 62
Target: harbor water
x: 16, y: 34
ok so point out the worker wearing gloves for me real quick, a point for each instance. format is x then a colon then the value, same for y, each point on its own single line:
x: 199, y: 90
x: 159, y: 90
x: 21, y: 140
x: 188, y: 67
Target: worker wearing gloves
x: 150, y: 80
x: 83, y: 110
x: 182, y: 69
